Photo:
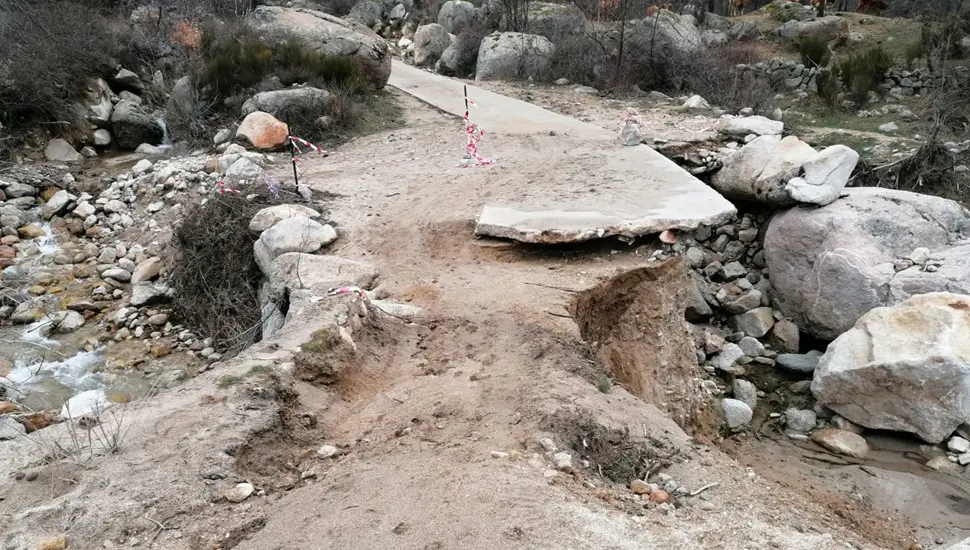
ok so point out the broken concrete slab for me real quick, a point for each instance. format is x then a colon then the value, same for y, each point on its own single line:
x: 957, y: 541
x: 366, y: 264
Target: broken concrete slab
x: 646, y: 193
x: 636, y: 191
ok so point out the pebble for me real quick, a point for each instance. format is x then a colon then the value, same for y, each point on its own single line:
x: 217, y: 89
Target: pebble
x: 499, y: 454
x: 958, y: 445
x: 800, y: 420
x: 746, y: 392
x: 564, y: 462
x: 240, y: 492
x: 328, y: 451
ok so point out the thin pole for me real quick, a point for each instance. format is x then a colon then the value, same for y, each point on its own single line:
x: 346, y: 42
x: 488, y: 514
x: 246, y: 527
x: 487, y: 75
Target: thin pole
x: 466, y: 99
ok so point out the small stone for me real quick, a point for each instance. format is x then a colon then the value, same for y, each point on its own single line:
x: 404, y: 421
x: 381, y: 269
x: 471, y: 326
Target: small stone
x: 732, y: 270
x: 142, y: 167
x: 888, y: 128
x: 958, y: 445
x: 796, y: 362
x: 784, y: 336
x: 756, y: 322
x: 548, y: 444
x: 327, y: 451
x: 746, y: 392
x: 55, y: 543
x: 963, y: 459
x: 660, y: 496
x: 240, y: 492
x: 802, y: 387
x: 846, y: 425
x: 751, y: 346
x: 920, y: 255
x: 499, y: 454
x: 728, y: 356
x: 737, y: 413
x: 800, y: 420
x: 640, y: 487
x: 842, y: 442
x: 564, y: 462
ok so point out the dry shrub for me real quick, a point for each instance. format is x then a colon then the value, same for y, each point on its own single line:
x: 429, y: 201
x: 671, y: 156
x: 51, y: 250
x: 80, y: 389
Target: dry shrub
x: 614, y: 454
x: 214, y: 273
x: 467, y: 43
x: 51, y: 49
x: 711, y: 74
x: 577, y: 55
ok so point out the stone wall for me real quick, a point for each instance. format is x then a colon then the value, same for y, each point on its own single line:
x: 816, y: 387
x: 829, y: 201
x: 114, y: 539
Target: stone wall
x: 899, y: 82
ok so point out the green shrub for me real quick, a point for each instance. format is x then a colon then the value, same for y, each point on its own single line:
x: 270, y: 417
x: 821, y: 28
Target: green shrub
x: 827, y: 86
x: 815, y: 52
x: 862, y: 73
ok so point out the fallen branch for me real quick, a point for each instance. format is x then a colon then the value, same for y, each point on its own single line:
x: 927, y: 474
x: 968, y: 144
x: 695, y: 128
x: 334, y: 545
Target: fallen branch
x: 704, y: 488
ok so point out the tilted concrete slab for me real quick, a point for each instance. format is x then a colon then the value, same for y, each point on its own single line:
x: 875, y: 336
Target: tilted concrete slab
x: 638, y: 191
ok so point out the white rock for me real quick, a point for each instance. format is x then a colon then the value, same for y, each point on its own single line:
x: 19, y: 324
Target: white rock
x: 826, y: 175
x: 696, y: 102
x: 142, y: 167
x: 240, y: 492
x: 10, y: 428
x: 102, y: 138
x: 58, y: 150
x: 903, y: 368
x: 564, y: 462
x: 297, y: 234
x: 328, y: 451
x: 736, y: 413
x: 728, y: 356
x: 270, y: 216
x: 757, y: 125
x: 91, y: 402
x: 746, y: 392
x: 958, y: 445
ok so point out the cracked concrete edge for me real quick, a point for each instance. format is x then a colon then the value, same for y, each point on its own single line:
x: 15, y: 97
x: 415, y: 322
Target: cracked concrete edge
x: 486, y: 226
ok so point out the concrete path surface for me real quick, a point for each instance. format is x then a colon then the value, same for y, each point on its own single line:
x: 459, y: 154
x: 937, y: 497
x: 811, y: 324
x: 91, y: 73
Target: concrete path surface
x: 630, y: 191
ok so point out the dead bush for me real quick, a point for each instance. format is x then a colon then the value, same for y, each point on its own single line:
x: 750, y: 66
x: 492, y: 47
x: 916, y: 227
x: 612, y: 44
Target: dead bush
x: 711, y: 74
x: 929, y: 171
x: 467, y: 43
x: 578, y: 55
x: 214, y: 273
x: 614, y: 454
x: 51, y: 50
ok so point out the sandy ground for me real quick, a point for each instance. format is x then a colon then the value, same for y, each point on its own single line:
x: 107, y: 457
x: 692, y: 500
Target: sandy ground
x: 481, y: 373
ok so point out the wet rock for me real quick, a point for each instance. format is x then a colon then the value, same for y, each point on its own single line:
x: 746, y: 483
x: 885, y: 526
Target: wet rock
x: 796, y: 362
x: 66, y: 321
x: 903, y: 368
x: 91, y: 402
x: 131, y: 126
x: 240, y: 492
x: 842, y: 442
x: 736, y: 413
x: 746, y: 392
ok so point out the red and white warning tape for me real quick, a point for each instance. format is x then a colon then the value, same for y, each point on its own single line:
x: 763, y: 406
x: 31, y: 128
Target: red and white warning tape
x: 475, y: 135
x: 223, y: 188
x: 339, y: 291
x: 298, y: 141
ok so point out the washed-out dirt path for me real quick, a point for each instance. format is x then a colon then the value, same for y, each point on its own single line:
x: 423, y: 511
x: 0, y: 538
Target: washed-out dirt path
x: 494, y: 356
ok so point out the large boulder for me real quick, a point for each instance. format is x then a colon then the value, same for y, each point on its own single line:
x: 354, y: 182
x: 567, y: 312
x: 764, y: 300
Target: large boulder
x: 454, y: 15
x: 183, y: 108
x: 514, y: 55
x: 99, y: 105
x: 327, y: 34
x: 904, y: 368
x: 296, y: 234
x: 368, y: 14
x: 829, y: 27
x: 319, y: 273
x: 58, y: 150
x: 263, y: 131
x: 296, y: 102
x: 271, y: 215
x: 430, y: 41
x: 784, y: 172
x: 131, y: 126
x: 757, y: 125
x: 824, y: 176
x: 667, y: 32
x: 831, y: 265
